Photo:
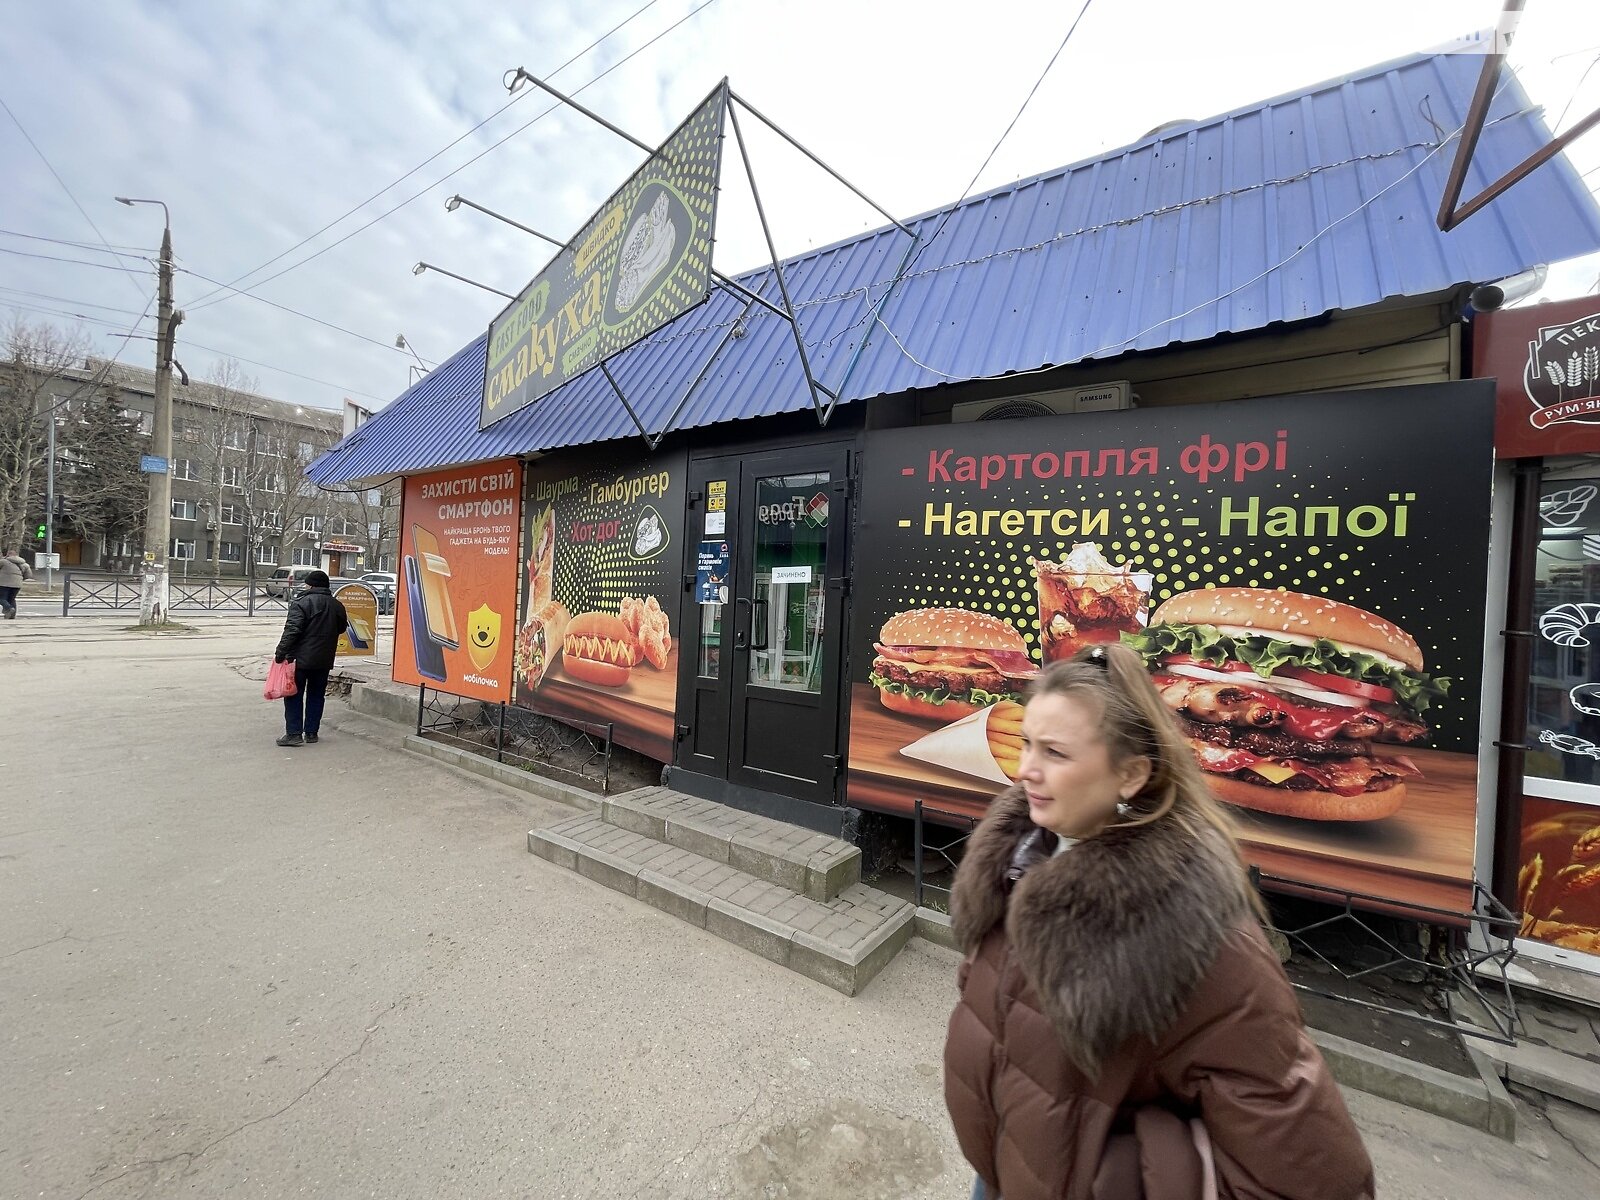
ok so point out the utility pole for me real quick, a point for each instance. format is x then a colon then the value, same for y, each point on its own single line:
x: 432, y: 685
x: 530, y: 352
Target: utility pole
x: 153, y: 593
x: 50, y: 501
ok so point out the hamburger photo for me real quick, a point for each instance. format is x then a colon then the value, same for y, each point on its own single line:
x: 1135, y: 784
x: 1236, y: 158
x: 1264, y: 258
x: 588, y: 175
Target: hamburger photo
x: 599, y: 649
x: 944, y: 663
x: 1293, y: 704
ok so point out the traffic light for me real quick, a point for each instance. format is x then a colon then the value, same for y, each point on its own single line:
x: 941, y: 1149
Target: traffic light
x: 40, y: 534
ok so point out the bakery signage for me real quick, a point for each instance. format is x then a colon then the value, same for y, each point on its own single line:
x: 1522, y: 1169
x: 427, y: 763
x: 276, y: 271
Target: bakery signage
x: 601, y: 573
x: 644, y: 259
x: 1307, y: 592
x: 1546, y: 361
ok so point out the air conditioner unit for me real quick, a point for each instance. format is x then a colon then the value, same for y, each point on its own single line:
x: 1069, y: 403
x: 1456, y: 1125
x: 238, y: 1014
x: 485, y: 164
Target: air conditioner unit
x: 211, y: 524
x: 1096, y: 397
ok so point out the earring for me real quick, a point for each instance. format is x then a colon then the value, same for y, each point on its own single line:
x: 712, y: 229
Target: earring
x: 1124, y: 809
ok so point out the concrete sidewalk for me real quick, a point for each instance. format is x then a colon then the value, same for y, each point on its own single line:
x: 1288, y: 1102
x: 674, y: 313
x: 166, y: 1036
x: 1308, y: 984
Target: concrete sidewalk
x: 337, y: 971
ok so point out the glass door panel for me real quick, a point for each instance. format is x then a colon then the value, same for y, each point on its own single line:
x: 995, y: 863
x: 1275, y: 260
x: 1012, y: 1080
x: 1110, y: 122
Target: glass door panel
x: 790, y: 585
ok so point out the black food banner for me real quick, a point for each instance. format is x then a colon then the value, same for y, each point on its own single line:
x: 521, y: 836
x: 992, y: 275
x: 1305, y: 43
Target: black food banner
x: 1321, y: 560
x: 602, y: 569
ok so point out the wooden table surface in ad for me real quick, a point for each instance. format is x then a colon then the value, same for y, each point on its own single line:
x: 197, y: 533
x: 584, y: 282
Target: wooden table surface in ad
x: 641, y: 709
x: 1420, y: 856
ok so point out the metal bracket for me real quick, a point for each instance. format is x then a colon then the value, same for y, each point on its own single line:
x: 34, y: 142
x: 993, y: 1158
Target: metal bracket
x: 1450, y: 214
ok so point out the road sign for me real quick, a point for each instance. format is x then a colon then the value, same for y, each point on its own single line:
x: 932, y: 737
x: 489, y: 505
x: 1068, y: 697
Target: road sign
x: 153, y: 464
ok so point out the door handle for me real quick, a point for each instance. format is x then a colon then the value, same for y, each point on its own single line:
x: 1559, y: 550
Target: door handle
x: 741, y: 637
x: 758, y: 620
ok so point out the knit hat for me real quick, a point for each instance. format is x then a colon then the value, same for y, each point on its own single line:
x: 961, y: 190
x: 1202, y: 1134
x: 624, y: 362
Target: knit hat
x: 316, y: 579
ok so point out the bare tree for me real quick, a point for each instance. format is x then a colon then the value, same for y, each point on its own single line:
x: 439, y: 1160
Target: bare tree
x: 217, y: 424
x: 33, y: 362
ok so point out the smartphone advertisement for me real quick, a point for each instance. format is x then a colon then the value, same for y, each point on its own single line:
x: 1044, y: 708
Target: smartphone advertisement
x: 458, y: 579
x: 1304, y: 578
x: 602, y: 571
x: 360, y: 636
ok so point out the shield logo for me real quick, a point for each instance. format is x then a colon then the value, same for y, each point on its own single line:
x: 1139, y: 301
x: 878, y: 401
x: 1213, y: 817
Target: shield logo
x: 483, y: 636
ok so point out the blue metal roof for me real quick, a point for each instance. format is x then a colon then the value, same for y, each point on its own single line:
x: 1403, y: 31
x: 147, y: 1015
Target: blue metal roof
x: 1318, y: 201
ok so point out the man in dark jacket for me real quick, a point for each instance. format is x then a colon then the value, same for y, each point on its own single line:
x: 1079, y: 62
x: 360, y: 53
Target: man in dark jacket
x: 310, y: 638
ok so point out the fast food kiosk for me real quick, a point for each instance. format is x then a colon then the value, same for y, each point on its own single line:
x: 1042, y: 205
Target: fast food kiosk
x: 1035, y: 439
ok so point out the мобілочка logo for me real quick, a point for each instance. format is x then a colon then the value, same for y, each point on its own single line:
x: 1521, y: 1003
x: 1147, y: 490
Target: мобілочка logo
x: 1562, y: 375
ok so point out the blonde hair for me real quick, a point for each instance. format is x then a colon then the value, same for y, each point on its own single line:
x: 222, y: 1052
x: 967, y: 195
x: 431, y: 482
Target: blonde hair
x: 1135, y: 721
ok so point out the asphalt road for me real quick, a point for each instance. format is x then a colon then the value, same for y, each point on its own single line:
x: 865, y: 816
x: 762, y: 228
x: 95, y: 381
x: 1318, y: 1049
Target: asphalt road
x: 336, y: 971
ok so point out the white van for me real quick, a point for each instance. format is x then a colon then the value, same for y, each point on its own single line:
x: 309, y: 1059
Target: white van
x: 285, y: 581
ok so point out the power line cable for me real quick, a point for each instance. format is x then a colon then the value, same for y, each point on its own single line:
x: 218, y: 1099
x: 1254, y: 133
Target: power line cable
x: 1257, y: 278
x: 58, y: 178
x: 995, y: 149
x: 67, y: 300
x: 518, y: 98
x: 123, y: 251
x: 293, y: 312
x: 494, y: 146
x: 285, y: 371
x: 78, y: 261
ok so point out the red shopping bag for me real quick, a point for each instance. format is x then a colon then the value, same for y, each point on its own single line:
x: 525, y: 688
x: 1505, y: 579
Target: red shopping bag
x: 280, y: 681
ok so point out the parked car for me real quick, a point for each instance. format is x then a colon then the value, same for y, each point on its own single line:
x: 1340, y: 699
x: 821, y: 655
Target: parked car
x: 286, y: 581
x: 384, y: 583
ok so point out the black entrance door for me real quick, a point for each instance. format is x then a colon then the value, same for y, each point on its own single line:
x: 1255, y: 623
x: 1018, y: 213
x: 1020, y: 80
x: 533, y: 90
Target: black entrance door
x: 761, y: 656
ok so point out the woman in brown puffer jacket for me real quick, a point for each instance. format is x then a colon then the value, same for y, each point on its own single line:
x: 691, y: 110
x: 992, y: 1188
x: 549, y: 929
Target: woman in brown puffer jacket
x: 1124, y: 1032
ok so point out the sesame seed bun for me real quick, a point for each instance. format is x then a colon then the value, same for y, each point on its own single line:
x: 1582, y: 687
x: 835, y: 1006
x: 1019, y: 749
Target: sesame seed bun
x: 959, y: 627
x: 1272, y: 612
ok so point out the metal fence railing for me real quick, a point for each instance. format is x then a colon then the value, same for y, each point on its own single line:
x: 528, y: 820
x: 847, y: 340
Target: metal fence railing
x: 518, y: 736
x: 938, y: 840
x: 100, y: 593
x: 1436, y: 966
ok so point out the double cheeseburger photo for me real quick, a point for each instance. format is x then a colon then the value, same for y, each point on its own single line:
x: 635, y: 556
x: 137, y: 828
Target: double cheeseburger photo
x: 941, y: 664
x: 1295, y: 705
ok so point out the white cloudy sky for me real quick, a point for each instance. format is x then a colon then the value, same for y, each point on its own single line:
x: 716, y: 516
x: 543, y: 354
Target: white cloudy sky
x: 262, y: 123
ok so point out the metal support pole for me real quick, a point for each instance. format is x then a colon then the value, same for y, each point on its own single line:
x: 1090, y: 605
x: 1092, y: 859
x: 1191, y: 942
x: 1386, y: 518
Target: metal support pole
x: 422, y: 692
x: 823, y: 414
x: 638, y: 424
x: 500, y: 737
x: 740, y: 290
x: 916, y: 847
x: 883, y: 212
x: 519, y: 73
x: 158, y: 519
x: 683, y: 401
x: 50, y: 499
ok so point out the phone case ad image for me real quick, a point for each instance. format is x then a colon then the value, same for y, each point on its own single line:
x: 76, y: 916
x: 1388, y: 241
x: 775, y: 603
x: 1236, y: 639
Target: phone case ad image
x: 434, y: 572
x: 430, y: 659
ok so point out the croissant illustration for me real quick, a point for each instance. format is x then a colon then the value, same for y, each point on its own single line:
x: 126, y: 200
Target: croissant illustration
x: 1565, y: 623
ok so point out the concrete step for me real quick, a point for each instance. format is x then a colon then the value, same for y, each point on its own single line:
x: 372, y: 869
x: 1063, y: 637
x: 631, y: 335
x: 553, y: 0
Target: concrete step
x: 812, y: 864
x: 841, y: 942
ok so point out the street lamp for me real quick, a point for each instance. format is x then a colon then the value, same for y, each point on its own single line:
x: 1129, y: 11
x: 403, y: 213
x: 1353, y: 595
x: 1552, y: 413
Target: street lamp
x: 158, y: 520
x: 423, y: 266
x: 458, y: 200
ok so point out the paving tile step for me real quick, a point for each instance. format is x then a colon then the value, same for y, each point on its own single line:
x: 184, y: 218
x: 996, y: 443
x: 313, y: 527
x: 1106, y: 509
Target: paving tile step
x: 799, y: 859
x: 842, y: 942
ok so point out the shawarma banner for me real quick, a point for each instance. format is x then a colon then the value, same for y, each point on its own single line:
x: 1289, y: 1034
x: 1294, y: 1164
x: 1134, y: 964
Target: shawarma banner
x: 603, y: 574
x: 643, y: 260
x: 1304, y: 578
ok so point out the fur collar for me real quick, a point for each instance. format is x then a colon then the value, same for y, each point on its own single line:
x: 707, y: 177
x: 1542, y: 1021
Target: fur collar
x: 1113, y: 935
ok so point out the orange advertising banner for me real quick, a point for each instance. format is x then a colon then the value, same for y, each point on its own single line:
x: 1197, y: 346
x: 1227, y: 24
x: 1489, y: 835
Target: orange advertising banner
x: 457, y: 597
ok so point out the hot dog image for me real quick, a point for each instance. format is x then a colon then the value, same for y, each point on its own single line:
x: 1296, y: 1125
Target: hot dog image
x: 599, y: 649
x: 1293, y: 704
